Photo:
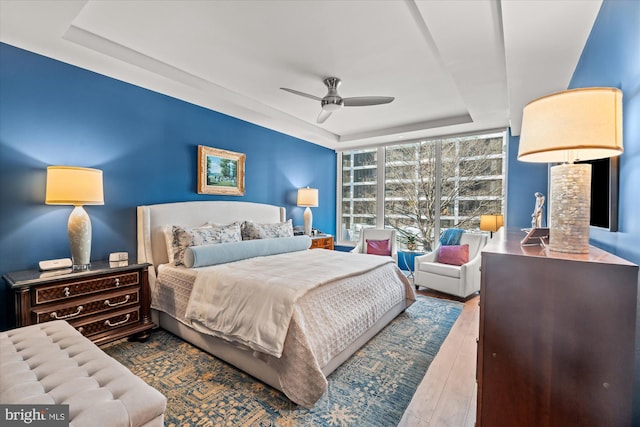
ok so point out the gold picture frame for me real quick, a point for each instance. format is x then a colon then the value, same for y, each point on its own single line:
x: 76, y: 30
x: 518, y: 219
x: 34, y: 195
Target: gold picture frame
x: 220, y: 171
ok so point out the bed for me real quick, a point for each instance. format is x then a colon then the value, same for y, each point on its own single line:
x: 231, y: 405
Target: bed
x: 348, y: 298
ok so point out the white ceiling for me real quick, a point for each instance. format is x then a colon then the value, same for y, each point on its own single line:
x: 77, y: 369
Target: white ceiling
x: 453, y: 66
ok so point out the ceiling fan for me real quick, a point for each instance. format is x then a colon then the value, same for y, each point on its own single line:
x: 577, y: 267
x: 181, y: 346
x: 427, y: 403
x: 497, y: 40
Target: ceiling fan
x: 333, y: 102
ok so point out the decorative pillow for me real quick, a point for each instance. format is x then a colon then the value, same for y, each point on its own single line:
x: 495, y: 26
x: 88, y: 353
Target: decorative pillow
x: 451, y: 236
x: 379, y: 247
x: 200, y: 256
x: 168, y: 241
x: 453, y: 254
x: 252, y: 230
x: 208, y: 235
x: 167, y: 230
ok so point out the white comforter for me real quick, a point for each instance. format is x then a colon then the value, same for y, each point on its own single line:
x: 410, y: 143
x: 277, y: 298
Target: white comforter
x: 326, y: 321
x: 252, y: 302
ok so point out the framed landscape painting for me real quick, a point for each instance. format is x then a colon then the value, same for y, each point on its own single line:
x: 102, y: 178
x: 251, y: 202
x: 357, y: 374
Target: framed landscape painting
x: 220, y: 171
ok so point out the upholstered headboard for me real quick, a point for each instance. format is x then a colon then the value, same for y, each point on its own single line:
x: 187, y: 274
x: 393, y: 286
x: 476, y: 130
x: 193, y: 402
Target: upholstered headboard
x: 153, y: 218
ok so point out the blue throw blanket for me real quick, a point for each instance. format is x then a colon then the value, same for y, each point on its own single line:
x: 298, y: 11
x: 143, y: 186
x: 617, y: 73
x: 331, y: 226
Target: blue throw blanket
x: 451, y: 236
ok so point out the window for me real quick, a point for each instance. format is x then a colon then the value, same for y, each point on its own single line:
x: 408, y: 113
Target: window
x: 423, y: 187
x: 359, y: 189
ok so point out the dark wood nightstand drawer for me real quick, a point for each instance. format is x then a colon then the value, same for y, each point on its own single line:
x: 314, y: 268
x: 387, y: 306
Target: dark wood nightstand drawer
x: 76, y: 288
x: 85, y: 306
x: 107, y: 322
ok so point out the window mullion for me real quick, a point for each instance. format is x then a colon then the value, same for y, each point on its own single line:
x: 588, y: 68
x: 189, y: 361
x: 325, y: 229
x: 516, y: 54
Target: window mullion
x: 438, y: 190
x: 380, y: 188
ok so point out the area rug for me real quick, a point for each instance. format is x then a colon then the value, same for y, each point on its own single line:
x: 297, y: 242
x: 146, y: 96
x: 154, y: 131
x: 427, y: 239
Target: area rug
x: 372, y: 388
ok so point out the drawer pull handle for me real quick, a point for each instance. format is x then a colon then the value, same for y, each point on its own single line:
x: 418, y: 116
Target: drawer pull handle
x: 78, y: 311
x: 115, y: 304
x: 111, y: 325
x: 117, y: 282
x: 81, y: 329
x: 66, y: 292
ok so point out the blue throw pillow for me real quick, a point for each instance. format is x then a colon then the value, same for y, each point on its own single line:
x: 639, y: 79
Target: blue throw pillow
x: 451, y: 236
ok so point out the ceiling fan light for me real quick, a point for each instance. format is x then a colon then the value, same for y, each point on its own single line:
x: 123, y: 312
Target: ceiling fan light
x: 332, y: 103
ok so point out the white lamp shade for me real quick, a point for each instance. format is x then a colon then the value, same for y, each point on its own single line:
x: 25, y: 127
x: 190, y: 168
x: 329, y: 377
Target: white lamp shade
x: 308, y: 197
x: 577, y: 124
x: 68, y: 185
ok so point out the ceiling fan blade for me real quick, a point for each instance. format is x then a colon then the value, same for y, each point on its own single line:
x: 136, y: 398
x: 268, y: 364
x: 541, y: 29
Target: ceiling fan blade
x: 297, y: 92
x: 361, y: 101
x: 323, y: 116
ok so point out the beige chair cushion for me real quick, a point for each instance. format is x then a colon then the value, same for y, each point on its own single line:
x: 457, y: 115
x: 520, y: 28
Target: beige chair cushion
x: 440, y: 269
x: 52, y: 363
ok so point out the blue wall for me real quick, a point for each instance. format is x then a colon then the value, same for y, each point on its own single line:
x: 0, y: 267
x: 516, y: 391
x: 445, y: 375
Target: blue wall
x: 523, y: 181
x: 52, y: 113
x: 611, y: 58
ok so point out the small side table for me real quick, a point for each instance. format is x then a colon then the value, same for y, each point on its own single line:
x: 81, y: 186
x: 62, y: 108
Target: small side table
x: 406, y: 261
x: 322, y: 241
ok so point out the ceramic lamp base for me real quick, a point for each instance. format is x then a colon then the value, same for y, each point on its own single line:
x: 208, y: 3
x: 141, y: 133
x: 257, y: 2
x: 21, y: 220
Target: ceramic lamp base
x: 308, y: 221
x: 79, y: 227
x: 570, y: 208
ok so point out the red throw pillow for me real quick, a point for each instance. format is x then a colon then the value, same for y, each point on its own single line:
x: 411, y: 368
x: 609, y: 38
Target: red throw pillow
x: 379, y: 247
x: 453, y: 254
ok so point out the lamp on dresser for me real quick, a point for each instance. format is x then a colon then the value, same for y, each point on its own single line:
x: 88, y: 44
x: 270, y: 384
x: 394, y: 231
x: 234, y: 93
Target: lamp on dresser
x: 308, y: 197
x: 69, y: 185
x: 491, y: 223
x: 570, y: 126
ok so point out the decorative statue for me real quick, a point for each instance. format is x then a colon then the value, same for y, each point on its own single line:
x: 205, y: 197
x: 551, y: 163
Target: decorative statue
x: 536, y: 216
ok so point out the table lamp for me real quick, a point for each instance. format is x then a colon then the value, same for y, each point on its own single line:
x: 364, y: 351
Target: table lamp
x: 491, y: 223
x: 68, y: 185
x: 570, y: 126
x: 308, y: 197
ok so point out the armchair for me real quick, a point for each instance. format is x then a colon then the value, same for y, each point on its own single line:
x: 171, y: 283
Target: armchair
x: 461, y: 280
x: 377, y: 234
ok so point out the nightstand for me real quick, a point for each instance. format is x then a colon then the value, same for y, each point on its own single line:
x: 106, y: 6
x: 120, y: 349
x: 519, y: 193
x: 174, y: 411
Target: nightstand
x: 104, y: 303
x: 322, y: 241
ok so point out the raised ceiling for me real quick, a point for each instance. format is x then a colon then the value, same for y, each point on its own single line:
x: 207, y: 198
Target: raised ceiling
x: 454, y: 67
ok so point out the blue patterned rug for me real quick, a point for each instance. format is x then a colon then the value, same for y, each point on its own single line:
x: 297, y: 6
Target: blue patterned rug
x: 372, y: 388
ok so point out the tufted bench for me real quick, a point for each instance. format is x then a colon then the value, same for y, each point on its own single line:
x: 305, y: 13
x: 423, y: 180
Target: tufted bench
x: 52, y: 363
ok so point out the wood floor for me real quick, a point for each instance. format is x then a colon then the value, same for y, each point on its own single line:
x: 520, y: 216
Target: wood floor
x: 447, y: 394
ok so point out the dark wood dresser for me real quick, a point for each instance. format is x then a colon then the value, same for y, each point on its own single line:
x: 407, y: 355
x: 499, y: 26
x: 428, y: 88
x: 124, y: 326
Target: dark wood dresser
x: 105, y: 303
x: 557, y: 333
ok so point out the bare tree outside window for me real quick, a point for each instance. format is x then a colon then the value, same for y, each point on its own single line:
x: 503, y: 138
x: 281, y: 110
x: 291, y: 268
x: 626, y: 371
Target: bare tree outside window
x: 424, y: 196
x: 422, y: 187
